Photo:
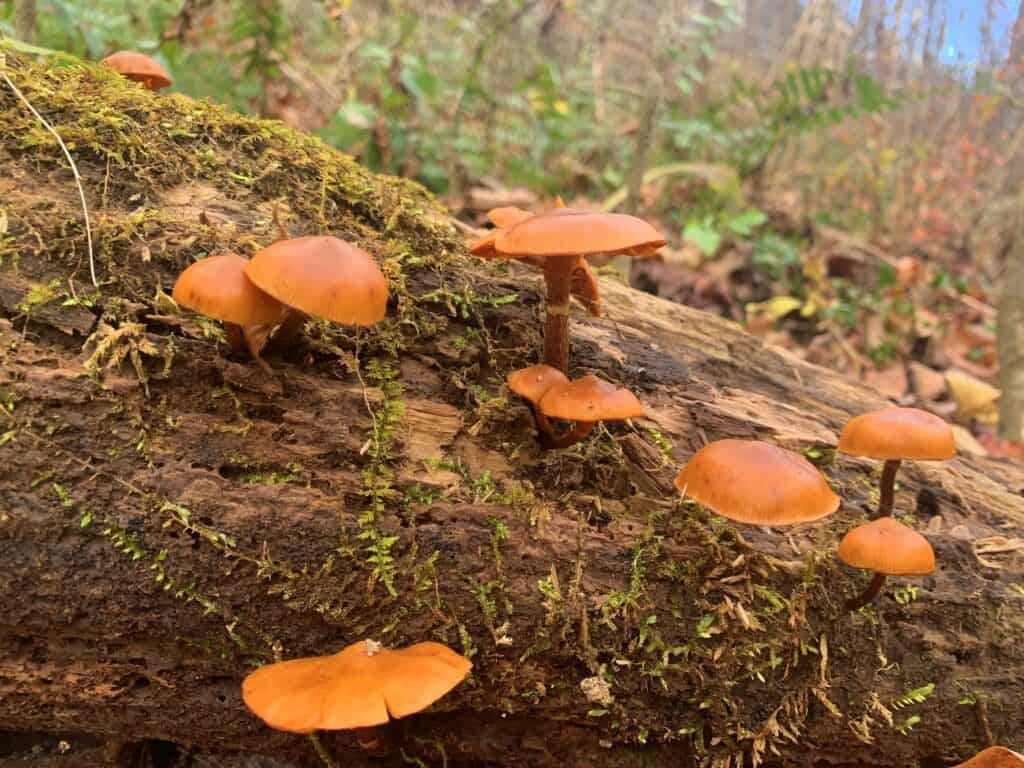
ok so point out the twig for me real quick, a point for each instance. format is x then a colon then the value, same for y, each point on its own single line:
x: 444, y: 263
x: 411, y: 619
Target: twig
x: 321, y: 750
x: 981, y: 710
x: 67, y: 154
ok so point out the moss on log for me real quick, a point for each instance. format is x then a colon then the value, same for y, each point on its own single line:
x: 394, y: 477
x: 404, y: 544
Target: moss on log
x: 171, y: 516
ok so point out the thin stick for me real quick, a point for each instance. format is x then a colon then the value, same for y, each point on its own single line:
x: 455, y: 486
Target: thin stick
x: 71, y: 162
x: 322, y: 751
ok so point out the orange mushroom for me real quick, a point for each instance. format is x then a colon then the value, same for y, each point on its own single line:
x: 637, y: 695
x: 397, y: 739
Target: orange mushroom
x: 758, y: 483
x: 532, y: 384
x: 323, y: 277
x: 559, y: 238
x: 583, y: 282
x: 888, y: 548
x: 994, y: 757
x: 585, y: 401
x: 359, y: 688
x: 138, y: 67
x: 894, y: 434
x: 217, y: 287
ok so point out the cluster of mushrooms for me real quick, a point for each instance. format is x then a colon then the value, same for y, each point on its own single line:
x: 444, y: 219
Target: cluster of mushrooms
x: 747, y: 481
x: 269, y: 297
x: 274, y: 293
x: 758, y: 483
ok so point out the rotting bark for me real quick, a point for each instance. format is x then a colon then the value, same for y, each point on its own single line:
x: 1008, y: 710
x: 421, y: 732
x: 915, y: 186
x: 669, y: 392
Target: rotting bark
x: 152, y: 549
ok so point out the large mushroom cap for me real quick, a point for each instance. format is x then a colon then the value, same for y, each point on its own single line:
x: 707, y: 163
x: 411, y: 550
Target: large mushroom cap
x: 754, y: 482
x: 359, y: 687
x: 888, y: 547
x: 994, y: 757
x: 323, y: 277
x: 217, y: 287
x: 590, y: 399
x: 898, y: 433
x: 533, y: 383
x: 138, y: 67
x: 571, y: 232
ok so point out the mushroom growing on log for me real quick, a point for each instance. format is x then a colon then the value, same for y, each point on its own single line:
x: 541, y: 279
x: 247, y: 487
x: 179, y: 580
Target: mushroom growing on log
x: 560, y: 238
x: 155, y: 550
x: 893, y: 435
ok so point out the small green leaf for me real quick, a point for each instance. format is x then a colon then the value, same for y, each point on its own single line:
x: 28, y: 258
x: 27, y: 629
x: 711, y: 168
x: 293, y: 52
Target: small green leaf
x: 705, y: 236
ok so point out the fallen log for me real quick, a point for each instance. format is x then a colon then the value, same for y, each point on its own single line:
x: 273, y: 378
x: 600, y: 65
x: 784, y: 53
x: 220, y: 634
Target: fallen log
x: 171, y: 516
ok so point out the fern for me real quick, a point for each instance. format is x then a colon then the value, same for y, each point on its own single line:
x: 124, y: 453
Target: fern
x: 916, y: 696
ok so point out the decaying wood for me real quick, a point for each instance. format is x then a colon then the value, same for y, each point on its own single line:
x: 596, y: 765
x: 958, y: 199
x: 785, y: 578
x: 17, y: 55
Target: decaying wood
x: 154, y: 548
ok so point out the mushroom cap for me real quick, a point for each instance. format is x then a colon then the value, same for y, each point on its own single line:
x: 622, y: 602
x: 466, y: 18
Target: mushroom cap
x: 572, y: 232
x: 589, y: 399
x: 888, y: 547
x: 138, y: 67
x: 754, y: 482
x: 352, y: 688
x: 217, y: 287
x: 994, y: 757
x: 484, y: 247
x: 507, y: 215
x: 898, y: 433
x: 323, y: 277
x: 533, y: 383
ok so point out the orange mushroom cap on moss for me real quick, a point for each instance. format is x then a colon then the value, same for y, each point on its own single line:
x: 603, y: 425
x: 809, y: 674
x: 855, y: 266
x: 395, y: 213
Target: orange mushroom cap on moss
x: 217, y: 287
x: 590, y: 399
x: 362, y: 686
x: 888, y: 548
x: 750, y: 481
x: 896, y: 434
x: 534, y: 382
x: 586, y: 401
x: 323, y: 277
x: 138, y: 67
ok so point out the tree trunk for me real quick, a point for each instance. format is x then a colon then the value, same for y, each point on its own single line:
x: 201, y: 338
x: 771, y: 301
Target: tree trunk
x: 25, y: 20
x: 154, y: 547
x: 1011, y: 344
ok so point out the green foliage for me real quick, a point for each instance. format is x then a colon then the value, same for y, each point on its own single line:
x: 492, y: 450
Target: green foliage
x: 377, y: 477
x: 93, y: 29
x: 916, y: 696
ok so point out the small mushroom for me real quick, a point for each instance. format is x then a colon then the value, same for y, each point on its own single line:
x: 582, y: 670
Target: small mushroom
x: 138, y: 67
x: 994, y: 757
x: 359, y: 688
x: 888, y: 548
x: 558, y: 239
x: 894, y: 434
x: 532, y: 384
x: 586, y: 401
x: 750, y: 481
x: 217, y: 287
x: 322, y: 277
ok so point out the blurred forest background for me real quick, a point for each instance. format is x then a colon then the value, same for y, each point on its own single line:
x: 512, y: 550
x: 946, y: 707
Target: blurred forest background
x: 840, y: 177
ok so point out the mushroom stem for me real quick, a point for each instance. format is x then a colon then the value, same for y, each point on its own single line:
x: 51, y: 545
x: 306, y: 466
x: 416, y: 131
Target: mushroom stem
x: 236, y: 338
x: 573, y: 436
x: 291, y: 325
x: 558, y: 274
x: 543, y: 425
x: 888, y: 488
x: 869, y: 594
